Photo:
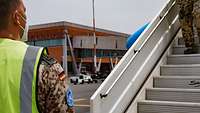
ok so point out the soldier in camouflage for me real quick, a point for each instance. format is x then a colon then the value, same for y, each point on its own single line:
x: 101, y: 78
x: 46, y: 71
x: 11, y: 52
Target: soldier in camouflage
x: 196, y: 15
x: 52, y: 87
x: 189, y: 12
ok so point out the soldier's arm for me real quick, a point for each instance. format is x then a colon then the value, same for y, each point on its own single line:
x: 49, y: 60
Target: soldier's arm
x: 52, y: 87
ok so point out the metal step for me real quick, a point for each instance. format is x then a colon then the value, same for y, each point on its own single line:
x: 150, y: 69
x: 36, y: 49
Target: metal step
x: 173, y: 94
x: 189, y: 82
x: 182, y: 42
x: 180, y: 70
x: 180, y: 49
x: 184, y: 59
x: 168, y: 107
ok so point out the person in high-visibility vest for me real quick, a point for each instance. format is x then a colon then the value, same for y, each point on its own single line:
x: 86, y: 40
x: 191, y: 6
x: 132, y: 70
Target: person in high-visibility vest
x: 30, y: 81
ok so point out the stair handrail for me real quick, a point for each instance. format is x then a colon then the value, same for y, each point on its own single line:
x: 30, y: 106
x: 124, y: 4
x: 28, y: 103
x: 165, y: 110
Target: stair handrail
x: 136, y: 51
x: 130, y: 55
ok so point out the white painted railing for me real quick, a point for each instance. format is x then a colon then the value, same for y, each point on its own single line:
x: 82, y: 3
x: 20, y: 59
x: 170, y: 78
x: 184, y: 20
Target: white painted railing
x: 122, y: 85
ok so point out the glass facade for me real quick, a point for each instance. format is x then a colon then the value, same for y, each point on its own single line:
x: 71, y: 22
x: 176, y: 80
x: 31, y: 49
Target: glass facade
x: 84, y: 53
x: 47, y: 43
x: 80, y: 53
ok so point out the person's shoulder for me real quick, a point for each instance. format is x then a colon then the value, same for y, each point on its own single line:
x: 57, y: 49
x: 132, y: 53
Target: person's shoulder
x: 51, y: 85
x: 52, y: 66
x: 48, y: 60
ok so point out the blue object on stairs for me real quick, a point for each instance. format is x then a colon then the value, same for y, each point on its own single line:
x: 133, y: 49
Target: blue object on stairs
x: 134, y: 37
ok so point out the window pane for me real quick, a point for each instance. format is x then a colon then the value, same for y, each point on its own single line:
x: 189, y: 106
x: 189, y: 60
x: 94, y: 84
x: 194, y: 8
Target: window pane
x: 47, y: 43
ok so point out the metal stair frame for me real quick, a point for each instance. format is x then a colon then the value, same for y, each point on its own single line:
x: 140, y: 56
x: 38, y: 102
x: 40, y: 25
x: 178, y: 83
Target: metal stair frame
x: 141, y: 95
x: 119, y: 90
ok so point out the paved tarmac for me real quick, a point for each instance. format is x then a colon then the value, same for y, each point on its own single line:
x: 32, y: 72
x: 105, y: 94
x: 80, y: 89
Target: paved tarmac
x: 82, y: 94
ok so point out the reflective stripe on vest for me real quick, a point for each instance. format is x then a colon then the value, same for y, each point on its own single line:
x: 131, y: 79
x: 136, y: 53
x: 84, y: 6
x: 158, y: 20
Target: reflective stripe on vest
x: 27, y: 79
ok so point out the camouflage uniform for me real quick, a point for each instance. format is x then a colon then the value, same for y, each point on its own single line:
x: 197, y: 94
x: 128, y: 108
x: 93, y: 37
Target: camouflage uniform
x: 189, y: 10
x: 186, y: 20
x: 196, y: 15
x: 52, y: 86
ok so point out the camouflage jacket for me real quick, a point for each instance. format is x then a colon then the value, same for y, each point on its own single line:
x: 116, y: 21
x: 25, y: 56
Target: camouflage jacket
x: 186, y: 1
x: 52, y: 86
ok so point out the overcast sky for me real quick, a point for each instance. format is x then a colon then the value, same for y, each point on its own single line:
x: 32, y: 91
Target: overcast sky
x: 117, y: 15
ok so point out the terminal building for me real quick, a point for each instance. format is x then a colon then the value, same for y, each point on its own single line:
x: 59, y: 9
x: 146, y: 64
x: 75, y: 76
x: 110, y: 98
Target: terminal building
x: 110, y: 45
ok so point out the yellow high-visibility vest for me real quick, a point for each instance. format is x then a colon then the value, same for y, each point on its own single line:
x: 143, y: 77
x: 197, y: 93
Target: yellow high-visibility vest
x: 18, y: 70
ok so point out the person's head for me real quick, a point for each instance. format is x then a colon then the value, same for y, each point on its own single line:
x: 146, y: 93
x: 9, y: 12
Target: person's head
x: 12, y: 19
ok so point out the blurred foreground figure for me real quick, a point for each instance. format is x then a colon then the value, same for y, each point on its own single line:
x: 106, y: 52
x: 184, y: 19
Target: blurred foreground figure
x: 30, y: 81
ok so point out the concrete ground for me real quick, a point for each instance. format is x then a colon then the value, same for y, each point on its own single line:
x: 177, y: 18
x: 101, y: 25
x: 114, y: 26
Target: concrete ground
x: 82, y: 94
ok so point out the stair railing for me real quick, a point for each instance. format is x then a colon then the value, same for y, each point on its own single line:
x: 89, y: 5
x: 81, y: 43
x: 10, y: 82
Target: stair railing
x: 126, y: 79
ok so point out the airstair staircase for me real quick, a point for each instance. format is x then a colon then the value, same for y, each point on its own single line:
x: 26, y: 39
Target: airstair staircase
x: 177, y: 89
x: 154, y: 76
